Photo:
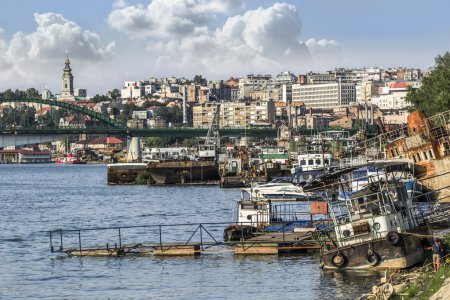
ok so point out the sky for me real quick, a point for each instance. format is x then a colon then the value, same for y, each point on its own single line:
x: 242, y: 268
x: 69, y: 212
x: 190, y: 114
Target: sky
x: 112, y: 41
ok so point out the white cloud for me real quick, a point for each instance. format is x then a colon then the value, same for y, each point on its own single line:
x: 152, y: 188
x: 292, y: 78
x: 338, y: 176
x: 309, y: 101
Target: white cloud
x: 326, y: 53
x: 119, y: 4
x: 259, y: 40
x: 26, y: 57
x: 168, y: 19
x: 2, y: 30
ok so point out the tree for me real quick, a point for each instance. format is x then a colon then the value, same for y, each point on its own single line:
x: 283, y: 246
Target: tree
x: 32, y: 93
x: 114, y: 94
x: 156, y: 142
x: 100, y: 98
x: 9, y: 95
x: 434, y: 94
x: 198, y: 79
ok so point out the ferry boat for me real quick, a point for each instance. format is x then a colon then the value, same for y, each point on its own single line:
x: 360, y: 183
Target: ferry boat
x: 70, y: 159
x: 374, y: 227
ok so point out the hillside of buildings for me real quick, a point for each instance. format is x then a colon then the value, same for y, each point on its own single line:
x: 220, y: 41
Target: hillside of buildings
x: 339, y: 98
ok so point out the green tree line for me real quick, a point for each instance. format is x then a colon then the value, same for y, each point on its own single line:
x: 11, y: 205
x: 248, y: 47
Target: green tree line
x: 434, y: 95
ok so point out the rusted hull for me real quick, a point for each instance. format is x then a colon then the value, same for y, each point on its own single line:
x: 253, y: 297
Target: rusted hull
x: 125, y: 173
x: 408, y: 252
x: 183, y: 171
x: 438, y: 183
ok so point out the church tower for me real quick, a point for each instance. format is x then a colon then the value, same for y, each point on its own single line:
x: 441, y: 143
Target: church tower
x: 67, y: 80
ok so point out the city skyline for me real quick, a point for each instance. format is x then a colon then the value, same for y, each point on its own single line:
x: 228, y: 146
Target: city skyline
x: 116, y: 41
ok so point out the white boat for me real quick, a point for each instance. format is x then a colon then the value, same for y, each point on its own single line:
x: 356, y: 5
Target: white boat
x: 277, y: 190
x: 250, y: 217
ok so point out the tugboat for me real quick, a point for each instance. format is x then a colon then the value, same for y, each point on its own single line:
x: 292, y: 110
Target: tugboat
x: 375, y: 226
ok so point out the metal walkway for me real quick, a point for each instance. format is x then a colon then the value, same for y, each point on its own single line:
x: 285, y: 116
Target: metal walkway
x: 177, y: 239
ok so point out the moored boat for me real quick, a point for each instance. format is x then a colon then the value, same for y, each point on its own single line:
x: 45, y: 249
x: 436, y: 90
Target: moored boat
x: 376, y: 226
x: 71, y: 159
x: 171, y: 172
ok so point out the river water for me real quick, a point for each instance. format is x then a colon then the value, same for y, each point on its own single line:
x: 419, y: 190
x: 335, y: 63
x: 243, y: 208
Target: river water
x: 39, y: 198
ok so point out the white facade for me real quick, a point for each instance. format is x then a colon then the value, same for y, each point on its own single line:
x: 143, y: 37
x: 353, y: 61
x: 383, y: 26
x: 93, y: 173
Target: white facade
x: 324, y: 95
x: 393, y: 100
x: 131, y: 89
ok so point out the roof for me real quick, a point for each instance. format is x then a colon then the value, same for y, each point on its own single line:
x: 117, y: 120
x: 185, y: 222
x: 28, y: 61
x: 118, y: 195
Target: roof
x: 399, y: 85
x: 105, y: 141
x: 329, y: 178
x: 23, y: 151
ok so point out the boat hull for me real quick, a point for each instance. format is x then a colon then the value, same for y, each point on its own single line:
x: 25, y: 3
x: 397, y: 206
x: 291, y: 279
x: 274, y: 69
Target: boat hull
x: 183, y: 171
x: 407, y: 252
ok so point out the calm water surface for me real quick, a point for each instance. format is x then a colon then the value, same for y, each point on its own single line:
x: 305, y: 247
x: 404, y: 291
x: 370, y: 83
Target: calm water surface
x: 38, y: 198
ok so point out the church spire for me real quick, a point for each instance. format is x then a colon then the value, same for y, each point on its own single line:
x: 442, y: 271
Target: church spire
x: 67, y: 79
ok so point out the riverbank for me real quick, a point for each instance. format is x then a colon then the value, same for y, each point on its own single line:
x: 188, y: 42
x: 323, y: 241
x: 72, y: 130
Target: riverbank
x: 418, y: 283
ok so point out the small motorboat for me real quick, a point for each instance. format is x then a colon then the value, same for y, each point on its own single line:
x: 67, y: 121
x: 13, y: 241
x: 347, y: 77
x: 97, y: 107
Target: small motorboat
x: 71, y: 159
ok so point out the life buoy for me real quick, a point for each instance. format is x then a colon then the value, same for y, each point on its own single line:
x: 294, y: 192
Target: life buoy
x: 373, y: 259
x: 393, y: 238
x: 339, y: 260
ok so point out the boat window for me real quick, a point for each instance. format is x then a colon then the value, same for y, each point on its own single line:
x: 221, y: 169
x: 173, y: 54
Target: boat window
x: 318, y: 161
x: 310, y: 162
x: 425, y: 155
x: 359, y: 174
x: 430, y: 154
x: 302, y: 162
x: 247, y: 206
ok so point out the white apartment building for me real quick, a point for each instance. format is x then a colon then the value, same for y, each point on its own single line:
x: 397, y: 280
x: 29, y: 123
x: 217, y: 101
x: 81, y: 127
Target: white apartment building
x: 392, y: 100
x: 235, y: 114
x: 324, y: 95
x: 393, y: 95
x: 131, y: 90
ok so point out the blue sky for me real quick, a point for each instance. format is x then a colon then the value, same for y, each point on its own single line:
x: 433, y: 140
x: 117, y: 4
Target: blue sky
x: 114, y: 41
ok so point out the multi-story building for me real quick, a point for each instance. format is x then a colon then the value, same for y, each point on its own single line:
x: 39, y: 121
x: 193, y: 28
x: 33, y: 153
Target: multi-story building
x: 80, y: 93
x: 220, y: 91
x: 253, y: 83
x: 132, y: 90
x: 392, y: 96
x: 324, y: 95
x: 235, y: 114
x: 285, y: 77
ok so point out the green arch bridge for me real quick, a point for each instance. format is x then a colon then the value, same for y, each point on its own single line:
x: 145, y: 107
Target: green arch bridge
x: 115, y: 127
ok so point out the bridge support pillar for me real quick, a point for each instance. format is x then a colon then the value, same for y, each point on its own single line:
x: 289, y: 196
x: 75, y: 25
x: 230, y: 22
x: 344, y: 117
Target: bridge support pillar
x: 134, y: 150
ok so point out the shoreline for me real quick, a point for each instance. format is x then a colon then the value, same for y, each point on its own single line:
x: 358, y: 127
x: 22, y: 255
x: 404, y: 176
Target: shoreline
x: 420, y: 282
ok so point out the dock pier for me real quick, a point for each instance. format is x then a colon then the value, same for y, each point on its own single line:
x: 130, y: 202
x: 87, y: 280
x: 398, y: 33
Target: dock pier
x: 174, y: 240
